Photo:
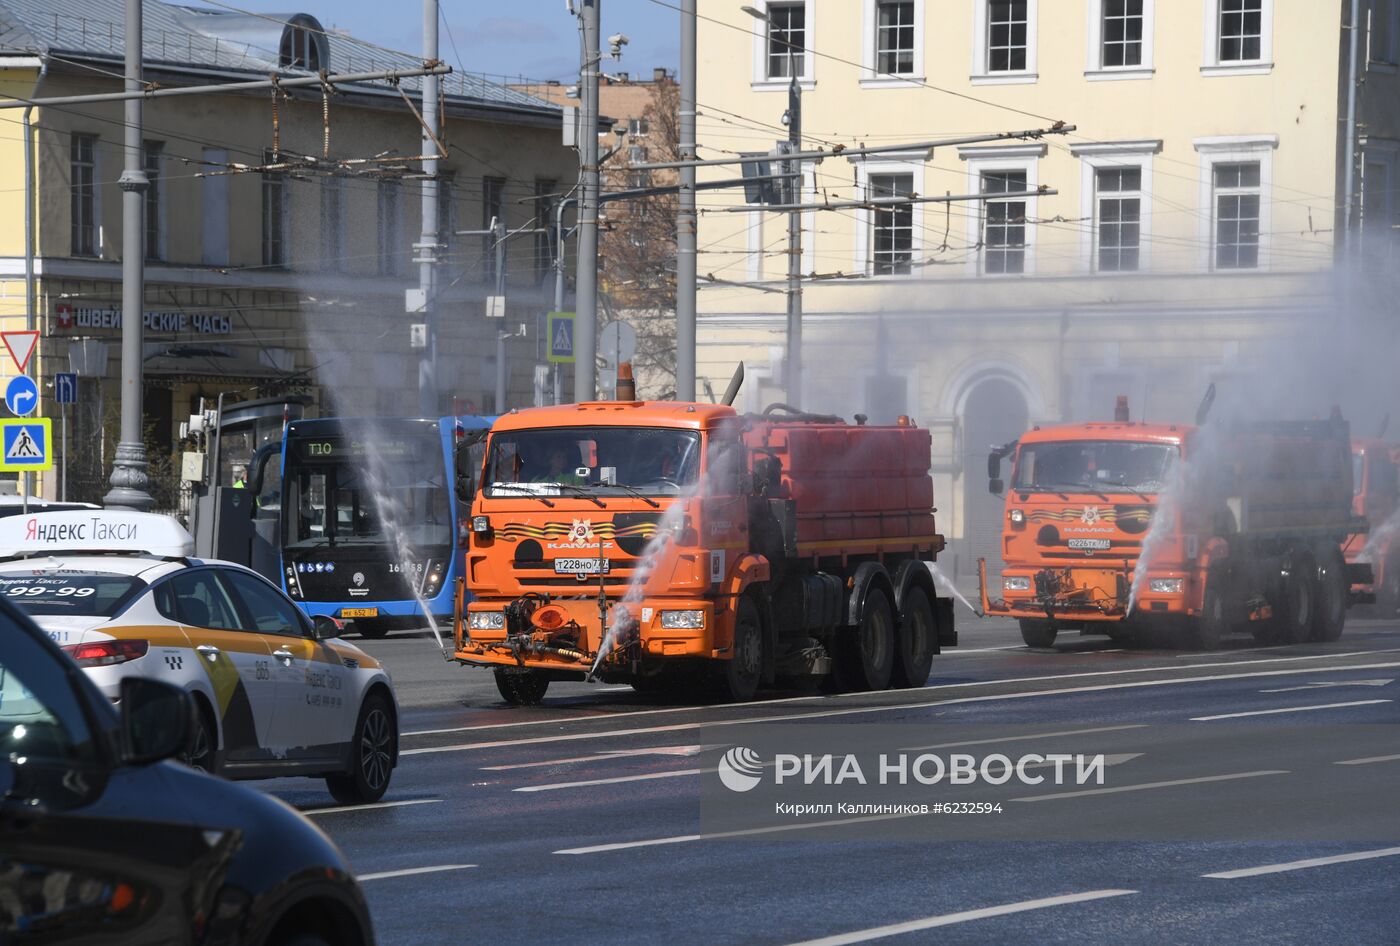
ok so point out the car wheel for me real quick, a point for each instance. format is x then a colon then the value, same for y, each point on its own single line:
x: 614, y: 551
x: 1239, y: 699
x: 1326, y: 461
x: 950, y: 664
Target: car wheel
x: 204, y: 740
x: 371, y: 757
x: 522, y: 687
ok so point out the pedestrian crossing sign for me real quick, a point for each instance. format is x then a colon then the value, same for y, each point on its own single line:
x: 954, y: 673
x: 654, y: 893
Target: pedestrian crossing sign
x: 561, y: 338
x: 25, y: 444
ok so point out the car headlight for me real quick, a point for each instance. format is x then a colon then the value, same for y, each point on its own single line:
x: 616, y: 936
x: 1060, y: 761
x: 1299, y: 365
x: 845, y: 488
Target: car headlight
x: 1167, y: 586
x: 1017, y: 516
x: 1016, y: 583
x: 486, y: 620
x: 678, y: 620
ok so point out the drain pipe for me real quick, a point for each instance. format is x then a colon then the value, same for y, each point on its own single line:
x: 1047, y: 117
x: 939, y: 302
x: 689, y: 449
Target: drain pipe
x: 31, y: 313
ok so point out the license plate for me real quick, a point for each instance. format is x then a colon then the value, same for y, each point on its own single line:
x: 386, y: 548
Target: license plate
x: 359, y: 612
x: 580, y: 566
x: 1089, y: 545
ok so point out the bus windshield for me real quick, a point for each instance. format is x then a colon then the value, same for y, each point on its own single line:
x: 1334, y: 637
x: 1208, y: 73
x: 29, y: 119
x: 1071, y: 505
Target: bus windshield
x: 601, y: 460
x: 346, y: 490
x: 1095, y: 465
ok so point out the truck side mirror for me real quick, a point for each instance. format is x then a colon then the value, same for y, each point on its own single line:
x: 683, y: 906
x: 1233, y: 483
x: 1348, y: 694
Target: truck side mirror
x: 995, y: 486
x: 466, y: 461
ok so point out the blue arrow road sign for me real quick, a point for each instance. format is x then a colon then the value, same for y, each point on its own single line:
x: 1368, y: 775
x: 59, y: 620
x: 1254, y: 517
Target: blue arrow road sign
x: 65, y: 387
x: 21, y: 395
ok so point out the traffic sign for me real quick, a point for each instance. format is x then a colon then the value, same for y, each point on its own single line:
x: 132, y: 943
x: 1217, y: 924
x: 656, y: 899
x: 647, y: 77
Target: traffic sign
x: 617, y: 343
x: 21, y: 346
x: 65, y: 387
x: 560, y: 326
x: 21, y: 395
x: 24, y: 444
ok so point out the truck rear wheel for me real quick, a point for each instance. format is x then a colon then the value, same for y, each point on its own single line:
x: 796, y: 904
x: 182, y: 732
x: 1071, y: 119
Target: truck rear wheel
x: 740, y: 674
x: 915, y: 642
x: 866, y: 661
x: 1037, y: 633
x: 522, y: 687
x: 1332, y: 592
x: 1294, y: 617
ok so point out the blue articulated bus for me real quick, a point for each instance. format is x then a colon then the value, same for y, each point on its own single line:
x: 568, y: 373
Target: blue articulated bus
x: 371, y: 530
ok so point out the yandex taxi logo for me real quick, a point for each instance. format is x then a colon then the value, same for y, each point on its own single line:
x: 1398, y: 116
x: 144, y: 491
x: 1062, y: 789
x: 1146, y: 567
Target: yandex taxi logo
x: 98, y: 530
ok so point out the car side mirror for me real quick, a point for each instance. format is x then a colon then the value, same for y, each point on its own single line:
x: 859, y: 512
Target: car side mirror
x: 156, y: 720
x: 996, y: 486
x: 324, y: 627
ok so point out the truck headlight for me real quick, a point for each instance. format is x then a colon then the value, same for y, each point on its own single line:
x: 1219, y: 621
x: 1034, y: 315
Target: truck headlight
x: 481, y: 525
x: 486, y: 620
x: 1167, y: 586
x: 678, y: 620
x: 1017, y: 516
x: 1016, y: 583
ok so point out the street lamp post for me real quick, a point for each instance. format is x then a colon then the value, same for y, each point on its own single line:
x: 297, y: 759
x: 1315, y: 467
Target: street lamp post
x: 129, y: 479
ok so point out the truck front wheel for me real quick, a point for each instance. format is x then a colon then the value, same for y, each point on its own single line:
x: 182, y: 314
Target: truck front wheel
x: 522, y: 687
x: 1037, y: 633
x: 740, y: 674
x: 915, y: 642
x: 1213, y: 624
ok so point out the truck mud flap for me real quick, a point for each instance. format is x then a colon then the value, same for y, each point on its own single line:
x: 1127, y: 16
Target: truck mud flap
x: 943, y: 619
x: 1360, y: 573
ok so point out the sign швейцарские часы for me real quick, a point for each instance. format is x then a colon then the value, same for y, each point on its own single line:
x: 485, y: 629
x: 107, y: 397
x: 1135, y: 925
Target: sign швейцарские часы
x: 70, y: 318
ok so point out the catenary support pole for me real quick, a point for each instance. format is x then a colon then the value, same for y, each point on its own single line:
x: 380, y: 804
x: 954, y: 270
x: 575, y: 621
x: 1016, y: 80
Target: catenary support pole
x: 792, y: 368
x: 427, y: 244
x: 586, y: 277
x: 685, y: 215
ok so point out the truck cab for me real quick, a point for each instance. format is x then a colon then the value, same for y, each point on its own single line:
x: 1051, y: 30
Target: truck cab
x: 1376, y: 497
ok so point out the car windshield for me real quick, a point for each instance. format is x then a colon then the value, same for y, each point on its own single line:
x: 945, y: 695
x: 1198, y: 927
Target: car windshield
x: 343, y: 492
x: 82, y: 594
x: 1095, y: 465
x: 602, y: 460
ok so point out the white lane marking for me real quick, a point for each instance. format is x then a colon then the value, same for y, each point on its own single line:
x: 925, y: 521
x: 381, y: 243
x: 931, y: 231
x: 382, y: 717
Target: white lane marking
x: 380, y: 804
x: 1368, y: 760
x: 1288, y: 709
x: 963, y: 916
x: 884, y: 708
x: 942, y: 686
x: 745, y: 832
x: 1034, y: 735
x: 409, y: 872
x: 602, y: 756
x: 1302, y: 865
x: 1323, y: 684
x: 981, y: 650
x: 648, y: 776
x: 1054, y: 796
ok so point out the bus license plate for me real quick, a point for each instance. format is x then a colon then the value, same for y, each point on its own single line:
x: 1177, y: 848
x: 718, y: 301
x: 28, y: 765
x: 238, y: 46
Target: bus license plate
x: 359, y: 612
x: 580, y: 566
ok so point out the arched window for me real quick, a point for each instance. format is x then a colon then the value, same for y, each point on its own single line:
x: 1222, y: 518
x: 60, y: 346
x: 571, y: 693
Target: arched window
x: 301, y: 49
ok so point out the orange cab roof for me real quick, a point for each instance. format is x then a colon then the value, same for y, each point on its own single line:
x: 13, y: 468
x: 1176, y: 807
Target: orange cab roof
x: 683, y: 414
x: 1110, y: 430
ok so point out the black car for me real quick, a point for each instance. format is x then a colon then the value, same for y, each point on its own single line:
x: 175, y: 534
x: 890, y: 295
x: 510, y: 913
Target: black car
x: 102, y: 842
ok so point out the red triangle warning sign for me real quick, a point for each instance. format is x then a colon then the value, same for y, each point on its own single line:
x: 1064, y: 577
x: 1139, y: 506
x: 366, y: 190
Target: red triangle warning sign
x: 21, y: 346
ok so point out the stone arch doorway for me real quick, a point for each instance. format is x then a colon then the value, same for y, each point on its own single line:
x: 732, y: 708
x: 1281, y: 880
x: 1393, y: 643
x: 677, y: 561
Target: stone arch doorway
x: 994, y: 412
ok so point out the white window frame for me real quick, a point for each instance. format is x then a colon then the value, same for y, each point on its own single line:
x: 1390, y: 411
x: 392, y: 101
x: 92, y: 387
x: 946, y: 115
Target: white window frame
x: 1234, y: 149
x: 898, y: 162
x: 981, y: 37
x: 96, y: 196
x: 1095, y: 70
x: 869, y: 78
x: 1383, y: 60
x: 981, y: 160
x: 761, y: 82
x: 157, y: 192
x: 1114, y: 154
x: 1211, y: 64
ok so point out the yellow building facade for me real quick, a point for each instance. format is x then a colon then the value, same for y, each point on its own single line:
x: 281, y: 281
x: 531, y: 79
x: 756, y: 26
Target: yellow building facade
x: 1185, y: 227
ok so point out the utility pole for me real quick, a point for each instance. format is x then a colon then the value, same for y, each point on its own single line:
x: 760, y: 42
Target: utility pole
x: 685, y: 215
x: 427, y: 245
x: 792, y: 374
x: 586, y: 289
x: 129, y: 480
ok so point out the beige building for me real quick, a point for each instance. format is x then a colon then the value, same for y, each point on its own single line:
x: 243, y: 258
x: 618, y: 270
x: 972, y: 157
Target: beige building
x: 1188, y: 228
x: 278, y: 235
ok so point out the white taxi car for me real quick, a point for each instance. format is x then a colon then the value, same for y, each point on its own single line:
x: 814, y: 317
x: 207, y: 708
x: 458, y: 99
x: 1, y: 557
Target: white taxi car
x: 277, y: 695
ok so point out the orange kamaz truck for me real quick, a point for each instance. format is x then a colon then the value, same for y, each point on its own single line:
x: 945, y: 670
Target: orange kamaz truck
x: 1196, y: 531
x: 669, y: 545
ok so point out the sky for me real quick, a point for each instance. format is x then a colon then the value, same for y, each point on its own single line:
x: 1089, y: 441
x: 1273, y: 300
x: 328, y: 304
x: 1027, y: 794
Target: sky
x: 536, y: 39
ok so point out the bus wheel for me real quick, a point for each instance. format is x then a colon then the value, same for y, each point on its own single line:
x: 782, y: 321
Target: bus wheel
x: 1295, y: 616
x: 1332, y: 592
x: 1037, y: 633
x: 522, y: 687
x: 915, y: 641
x: 372, y: 630
x: 738, y: 676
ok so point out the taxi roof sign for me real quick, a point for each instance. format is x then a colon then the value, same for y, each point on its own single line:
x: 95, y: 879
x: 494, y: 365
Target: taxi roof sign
x: 94, y: 530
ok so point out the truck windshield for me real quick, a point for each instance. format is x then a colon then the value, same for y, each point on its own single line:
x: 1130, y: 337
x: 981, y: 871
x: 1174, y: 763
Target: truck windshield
x: 343, y: 492
x: 603, y: 460
x: 1095, y: 465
